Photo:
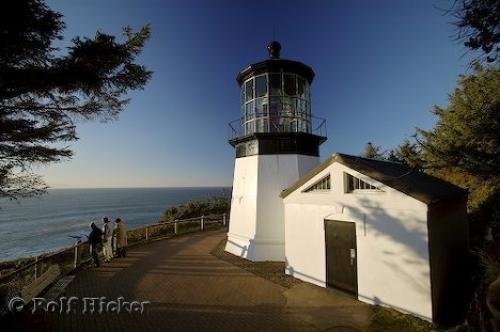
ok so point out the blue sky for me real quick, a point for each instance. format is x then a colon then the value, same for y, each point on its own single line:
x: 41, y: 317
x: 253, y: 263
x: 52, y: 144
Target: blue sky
x: 380, y: 67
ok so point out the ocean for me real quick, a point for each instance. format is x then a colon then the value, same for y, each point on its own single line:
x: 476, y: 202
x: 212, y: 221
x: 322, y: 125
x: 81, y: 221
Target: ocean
x: 36, y: 225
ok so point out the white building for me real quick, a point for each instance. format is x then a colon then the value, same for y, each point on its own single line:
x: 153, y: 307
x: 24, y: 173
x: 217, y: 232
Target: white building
x: 375, y: 229
x: 276, y: 142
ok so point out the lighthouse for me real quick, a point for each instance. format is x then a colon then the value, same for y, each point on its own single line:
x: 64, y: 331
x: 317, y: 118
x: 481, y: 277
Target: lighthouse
x: 276, y: 141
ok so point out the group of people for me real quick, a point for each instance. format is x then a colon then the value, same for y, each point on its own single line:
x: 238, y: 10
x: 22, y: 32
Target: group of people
x: 111, y: 237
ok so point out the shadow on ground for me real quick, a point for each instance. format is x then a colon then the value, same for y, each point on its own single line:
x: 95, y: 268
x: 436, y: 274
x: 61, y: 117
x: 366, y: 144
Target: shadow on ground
x: 190, y: 289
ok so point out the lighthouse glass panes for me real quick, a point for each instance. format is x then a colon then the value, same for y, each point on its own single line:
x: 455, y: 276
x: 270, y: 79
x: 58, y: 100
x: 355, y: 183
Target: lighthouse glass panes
x: 275, y: 102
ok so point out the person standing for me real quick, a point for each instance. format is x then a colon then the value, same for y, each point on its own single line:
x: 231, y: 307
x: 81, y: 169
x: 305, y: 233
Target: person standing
x: 121, y: 238
x: 112, y: 227
x: 107, y: 236
x: 95, y: 242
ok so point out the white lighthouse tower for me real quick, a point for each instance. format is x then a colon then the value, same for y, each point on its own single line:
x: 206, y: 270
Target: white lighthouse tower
x: 276, y: 143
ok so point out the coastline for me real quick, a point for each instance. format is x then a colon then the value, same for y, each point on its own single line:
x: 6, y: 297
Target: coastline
x: 34, y: 226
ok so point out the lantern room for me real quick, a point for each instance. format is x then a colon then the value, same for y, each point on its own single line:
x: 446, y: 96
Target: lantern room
x: 275, y: 95
x: 275, y: 108
x: 275, y: 102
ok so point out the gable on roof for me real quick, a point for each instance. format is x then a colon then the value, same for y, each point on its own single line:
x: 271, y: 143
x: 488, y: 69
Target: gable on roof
x: 321, y: 184
x: 353, y: 183
x: 423, y: 187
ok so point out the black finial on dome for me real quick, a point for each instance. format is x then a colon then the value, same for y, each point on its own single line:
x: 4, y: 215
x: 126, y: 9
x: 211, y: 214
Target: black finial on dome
x: 274, y: 49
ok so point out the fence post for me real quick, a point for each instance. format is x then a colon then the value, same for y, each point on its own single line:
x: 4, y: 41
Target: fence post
x: 176, y: 227
x: 202, y: 223
x: 76, y: 258
x: 147, y: 233
x: 37, y: 272
x: 223, y: 219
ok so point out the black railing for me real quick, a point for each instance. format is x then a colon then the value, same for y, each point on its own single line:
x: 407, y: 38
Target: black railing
x: 277, y: 123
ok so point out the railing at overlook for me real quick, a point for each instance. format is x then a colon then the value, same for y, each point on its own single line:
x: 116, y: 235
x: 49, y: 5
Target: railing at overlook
x: 279, y: 123
x: 69, y: 259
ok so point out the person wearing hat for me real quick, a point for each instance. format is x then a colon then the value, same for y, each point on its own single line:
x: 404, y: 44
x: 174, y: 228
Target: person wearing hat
x: 107, y: 237
x: 121, y: 238
x: 95, y: 242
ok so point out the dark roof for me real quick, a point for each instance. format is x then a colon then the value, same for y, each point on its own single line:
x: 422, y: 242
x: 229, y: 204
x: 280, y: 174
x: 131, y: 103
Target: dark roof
x: 421, y: 186
x: 275, y: 65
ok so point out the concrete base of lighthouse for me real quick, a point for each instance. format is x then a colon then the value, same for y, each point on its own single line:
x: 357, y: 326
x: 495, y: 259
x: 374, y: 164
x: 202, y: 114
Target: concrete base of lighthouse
x: 257, y: 226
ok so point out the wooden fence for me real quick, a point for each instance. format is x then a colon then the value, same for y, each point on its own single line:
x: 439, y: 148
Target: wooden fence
x: 68, y: 259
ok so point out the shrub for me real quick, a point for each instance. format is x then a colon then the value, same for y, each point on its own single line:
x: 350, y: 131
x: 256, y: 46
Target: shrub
x: 196, y: 208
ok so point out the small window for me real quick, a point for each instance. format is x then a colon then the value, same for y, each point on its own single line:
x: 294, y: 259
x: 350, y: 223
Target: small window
x: 275, y: 84
x: 249, y: 111
x: 301, y: 87
x: 261, y: 125
x: 249, y: 128
x: 260, y: 86
x: 242, y: 95
x: 354, y: 183
x: 290, y: 86
x: 288, y: 106
x: 261, y: 106
x: 323, y: 184
x: 249, y: 90
x: 275, y: 106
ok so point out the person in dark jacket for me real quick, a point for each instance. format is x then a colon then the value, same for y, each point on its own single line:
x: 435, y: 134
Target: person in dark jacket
x: 95, y: 242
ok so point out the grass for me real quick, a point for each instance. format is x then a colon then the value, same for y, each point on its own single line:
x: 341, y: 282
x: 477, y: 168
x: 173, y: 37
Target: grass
x: 389, y: 320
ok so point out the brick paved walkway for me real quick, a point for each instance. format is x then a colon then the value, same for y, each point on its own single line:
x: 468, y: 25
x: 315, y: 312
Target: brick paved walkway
x: 192, y: 290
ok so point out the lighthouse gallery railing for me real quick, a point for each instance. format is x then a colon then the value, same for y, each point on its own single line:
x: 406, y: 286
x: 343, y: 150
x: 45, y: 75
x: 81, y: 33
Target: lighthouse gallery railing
x: 278, y: 123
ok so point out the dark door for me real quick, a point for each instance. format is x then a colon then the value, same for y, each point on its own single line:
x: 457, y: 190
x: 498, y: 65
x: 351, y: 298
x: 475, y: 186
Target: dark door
x: 341, y: 255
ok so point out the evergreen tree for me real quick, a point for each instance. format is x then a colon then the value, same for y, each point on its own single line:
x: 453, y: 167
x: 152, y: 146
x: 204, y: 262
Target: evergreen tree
x: 464, y: 145
x: 44, y: 91
x: 372, y: 151
x: 409, y: 154
x: 478, y: 26
x: 466, y: 135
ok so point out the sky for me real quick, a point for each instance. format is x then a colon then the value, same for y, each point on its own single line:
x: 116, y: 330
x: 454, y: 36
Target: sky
x: 380, y: 67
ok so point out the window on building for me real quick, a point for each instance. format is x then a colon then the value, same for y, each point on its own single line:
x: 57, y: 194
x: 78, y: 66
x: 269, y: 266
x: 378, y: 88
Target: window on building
x: 249, y: 111
x: 288, y: 106
x: 323, y: 184
x: 281, y: 98
x: 249, y: 90
x: 260, y: 86
x: 261, y: 106
x: 290, y: 85
x: 301, y: 87
x: 242, y: 95
x: 275, y: 84
x: 354, y: 183
x: 274, y: 113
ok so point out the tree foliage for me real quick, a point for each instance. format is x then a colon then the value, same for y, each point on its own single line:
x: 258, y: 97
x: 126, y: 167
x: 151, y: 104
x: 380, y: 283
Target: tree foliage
x: 196, y: 208
x: 478, y: 24
x: 372, y: 151
x: 408, y: 153
x: 466, y: 135
x: 464, y: 145
x: 45, y: 91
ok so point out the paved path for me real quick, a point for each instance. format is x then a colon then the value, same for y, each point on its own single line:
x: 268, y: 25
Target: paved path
x: 192, y: 290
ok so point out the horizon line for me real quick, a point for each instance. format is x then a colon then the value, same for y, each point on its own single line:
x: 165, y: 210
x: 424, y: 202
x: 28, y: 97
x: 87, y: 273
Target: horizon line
x: 142, y: 187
